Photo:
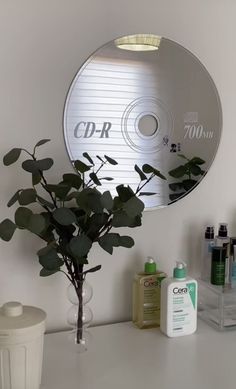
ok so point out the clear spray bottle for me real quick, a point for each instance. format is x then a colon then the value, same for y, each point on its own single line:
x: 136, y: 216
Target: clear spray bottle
x: 223, y: 240
x: 208, y: 243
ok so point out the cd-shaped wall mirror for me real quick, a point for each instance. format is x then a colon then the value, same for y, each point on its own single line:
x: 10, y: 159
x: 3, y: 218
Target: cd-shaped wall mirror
x: 145, y: 99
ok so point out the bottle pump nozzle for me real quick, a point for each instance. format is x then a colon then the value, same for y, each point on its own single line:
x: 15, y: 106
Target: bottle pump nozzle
x: 180, y: 270
x: 150, y: 265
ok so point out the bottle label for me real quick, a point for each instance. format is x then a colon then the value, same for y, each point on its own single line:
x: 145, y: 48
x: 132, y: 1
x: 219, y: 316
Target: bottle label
x: 151, y: 287
x: 184, y: 307
x: 218, y: 273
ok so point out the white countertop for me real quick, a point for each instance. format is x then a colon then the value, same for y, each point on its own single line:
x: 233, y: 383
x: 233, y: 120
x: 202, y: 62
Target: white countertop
x: 122, y: 356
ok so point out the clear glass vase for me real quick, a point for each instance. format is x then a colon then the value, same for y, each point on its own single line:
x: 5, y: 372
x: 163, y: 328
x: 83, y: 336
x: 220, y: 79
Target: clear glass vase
x: 79, y: 315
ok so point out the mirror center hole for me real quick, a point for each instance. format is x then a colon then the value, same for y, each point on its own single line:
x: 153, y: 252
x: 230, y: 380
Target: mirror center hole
x: 148, y: 125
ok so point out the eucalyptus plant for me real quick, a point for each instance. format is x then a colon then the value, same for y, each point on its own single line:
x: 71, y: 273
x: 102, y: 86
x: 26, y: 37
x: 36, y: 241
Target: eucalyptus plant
x: 186, y: 174
x: 74, y: 214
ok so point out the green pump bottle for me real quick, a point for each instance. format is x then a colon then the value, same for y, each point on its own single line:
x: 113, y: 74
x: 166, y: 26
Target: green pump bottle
x: 147, y: 295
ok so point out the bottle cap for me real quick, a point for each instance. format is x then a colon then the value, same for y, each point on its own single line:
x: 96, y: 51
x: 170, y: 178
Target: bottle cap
x: 150, y: 265
x: 18, y: 318
x: 180, y: 270
x: 219, y: 253
x: 223, y: 232
x: 13, y: 308
x: 209, y: 232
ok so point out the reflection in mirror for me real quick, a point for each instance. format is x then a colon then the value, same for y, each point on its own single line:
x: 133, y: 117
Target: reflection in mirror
x: 145, y: 99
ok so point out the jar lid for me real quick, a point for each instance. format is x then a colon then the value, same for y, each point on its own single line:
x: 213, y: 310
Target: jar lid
x: 15, y: 316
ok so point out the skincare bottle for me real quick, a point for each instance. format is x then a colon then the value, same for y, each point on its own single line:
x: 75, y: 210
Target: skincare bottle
x: 233, y: 262
x: 208, y: 243
x: 218, y: 265
x: 146, y: 296
x: 222, y: 239
x: 178, y: 303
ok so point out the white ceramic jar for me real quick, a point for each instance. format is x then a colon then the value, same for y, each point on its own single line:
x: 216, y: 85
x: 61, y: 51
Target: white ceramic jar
x: 21, y: 346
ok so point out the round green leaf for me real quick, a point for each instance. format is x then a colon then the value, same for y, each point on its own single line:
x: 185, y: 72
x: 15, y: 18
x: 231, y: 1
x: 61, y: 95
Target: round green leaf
x: 111, y: 160
x: 27, y: 196
x: 150, y: 169
x: 22, y: 217
x: 126, y: 241
x: 87, y: 156
x: 30, y: 166
x: 100, y: 159
x: 60, y: 190
x: 134, y: 206
x: 42, y: 142
x: 125, y: 192
x: 50, y: 260
x: 46, y: 273
x: 45, y: 164
x: 197, y: 161
x: 12, y: 156
x: 36, y: 224
x: 179, y: 172
x: 107, y: 200
x: 121, y: 219
x: 73, y: 179
x: 176, y: 186
x: 46, y: 249
x: 64, y: 216
x: 36, y: 178
x: 147, y: 168
x: 7, y: 229
x: 189, y: 184
x: 158, y: 174
x: 80, y: 246
x: 89, y: 199
x: 195, y: 169
x: 81, y: 166
x: 94, y: 178
x: 108, y: 241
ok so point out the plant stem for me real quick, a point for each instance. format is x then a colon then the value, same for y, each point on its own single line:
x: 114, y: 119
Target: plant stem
x: 145, y: 183
x: 100, y: 167
x: 45, y: 182
x: 79, y: 334
x: 78, y: 281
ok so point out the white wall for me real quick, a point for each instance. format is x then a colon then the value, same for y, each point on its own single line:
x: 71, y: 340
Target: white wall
x: 42, y: 44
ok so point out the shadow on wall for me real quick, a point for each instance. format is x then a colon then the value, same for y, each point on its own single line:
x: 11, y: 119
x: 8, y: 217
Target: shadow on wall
x: 193, y: 240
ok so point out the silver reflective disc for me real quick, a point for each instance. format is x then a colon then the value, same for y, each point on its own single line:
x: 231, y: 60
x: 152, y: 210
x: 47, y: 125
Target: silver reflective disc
x: 144, y: 99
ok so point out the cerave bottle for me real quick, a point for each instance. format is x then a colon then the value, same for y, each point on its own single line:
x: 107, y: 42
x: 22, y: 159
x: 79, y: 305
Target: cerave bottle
x: 178, y: 303
x: 146, y: 296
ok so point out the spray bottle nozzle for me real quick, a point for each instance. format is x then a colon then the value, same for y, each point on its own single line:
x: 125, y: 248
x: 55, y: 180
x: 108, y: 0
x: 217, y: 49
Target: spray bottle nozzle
x: 223, y: 231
